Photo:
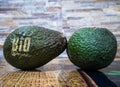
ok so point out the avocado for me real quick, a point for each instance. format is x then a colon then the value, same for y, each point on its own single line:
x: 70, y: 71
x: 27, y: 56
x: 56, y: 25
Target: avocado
x: 92, y: 48
x: 29, y: 47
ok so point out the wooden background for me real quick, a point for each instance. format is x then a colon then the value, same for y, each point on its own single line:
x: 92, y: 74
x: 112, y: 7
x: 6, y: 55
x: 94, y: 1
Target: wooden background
x: 63, y: 15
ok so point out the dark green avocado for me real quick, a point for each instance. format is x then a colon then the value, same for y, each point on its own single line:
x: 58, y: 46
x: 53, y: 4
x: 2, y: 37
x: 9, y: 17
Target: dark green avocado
x: 29, y: 47
x: 92, y: 48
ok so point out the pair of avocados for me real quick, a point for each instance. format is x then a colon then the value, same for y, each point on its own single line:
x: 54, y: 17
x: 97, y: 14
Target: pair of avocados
x: 29, y: 47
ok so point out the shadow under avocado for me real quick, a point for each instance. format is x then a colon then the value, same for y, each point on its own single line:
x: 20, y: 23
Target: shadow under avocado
x: 100, y: 79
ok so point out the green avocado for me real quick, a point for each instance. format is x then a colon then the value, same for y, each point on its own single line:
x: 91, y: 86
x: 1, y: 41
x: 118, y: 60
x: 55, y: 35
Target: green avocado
x: 29, y: 47
x: 92, y: 48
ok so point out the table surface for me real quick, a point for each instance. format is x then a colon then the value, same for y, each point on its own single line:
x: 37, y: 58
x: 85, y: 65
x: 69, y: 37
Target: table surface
x: 60, y: 72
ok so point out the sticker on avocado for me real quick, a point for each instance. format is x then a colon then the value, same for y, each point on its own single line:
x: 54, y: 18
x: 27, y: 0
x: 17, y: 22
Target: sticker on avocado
x: 21, y: 46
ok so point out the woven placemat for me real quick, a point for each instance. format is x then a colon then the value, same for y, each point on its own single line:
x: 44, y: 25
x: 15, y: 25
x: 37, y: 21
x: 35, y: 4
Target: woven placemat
x: 46, y: 79
x: 57, y: 73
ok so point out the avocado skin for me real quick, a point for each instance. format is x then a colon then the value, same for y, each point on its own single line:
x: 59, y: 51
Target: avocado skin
x: 44, y: 45
x: 92, y: 48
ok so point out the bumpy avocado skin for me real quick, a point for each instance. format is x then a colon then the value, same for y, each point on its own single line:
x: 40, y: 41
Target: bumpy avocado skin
x: 92, y: 48
x: 29, y: 47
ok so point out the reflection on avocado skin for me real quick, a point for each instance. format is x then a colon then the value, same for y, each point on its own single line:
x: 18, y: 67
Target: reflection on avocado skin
x: 100, y: 79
